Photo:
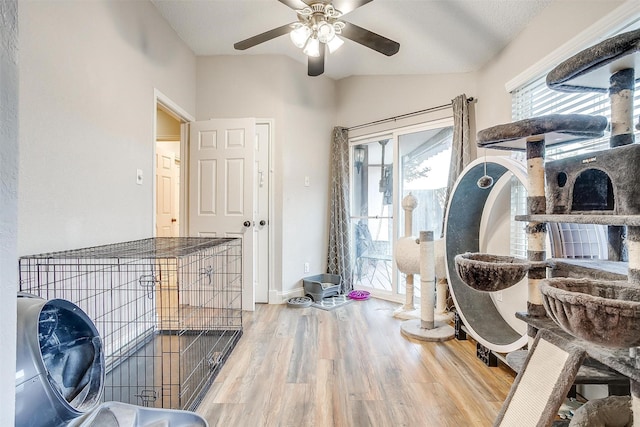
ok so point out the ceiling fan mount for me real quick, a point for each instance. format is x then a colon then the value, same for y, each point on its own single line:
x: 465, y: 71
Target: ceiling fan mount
x: 322, y: 19
x: 320, y: 28
x: 323, y: 8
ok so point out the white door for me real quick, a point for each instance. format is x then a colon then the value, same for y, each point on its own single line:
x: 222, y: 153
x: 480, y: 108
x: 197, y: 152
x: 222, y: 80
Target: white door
x: 166, y: 197
x: 222, y: 188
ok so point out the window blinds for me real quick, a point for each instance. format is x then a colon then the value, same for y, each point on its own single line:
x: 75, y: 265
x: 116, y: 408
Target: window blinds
x: 536, y: 99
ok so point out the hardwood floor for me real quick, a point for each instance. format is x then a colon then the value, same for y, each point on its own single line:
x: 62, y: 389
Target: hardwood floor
x: 349, y: 367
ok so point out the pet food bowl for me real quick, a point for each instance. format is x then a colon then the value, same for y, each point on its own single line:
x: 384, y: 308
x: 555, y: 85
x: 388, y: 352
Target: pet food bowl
x: 490, y: 273
x: 359, y: 295
x: 601, y: 312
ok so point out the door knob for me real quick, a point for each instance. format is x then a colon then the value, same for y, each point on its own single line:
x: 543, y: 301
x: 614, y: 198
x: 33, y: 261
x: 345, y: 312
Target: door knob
x: 174, y: 220
x: 263, y: 222
x: 247, y: 224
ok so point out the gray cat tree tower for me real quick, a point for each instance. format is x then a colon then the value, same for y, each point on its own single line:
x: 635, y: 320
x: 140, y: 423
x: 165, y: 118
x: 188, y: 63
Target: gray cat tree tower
x: 585, y: 315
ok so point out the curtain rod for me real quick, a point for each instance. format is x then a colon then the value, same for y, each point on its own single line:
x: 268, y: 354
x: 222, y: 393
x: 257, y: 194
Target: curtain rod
x: 403, y: 116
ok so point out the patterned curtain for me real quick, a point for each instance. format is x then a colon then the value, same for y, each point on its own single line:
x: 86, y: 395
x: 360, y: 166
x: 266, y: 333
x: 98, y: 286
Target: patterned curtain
x: 339, y: 254
x: 460, y: 148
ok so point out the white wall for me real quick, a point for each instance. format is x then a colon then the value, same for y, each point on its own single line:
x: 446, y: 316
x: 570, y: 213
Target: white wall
x: 304, y: 112
x: 363, y: 99
x: 87, y: 76
x: 9, y: 204
x: 366, y: 99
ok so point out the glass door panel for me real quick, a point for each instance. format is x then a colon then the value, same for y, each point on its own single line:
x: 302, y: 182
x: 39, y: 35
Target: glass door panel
x: 384, y: 170
x: 372, y: 214
x: 424, y: 158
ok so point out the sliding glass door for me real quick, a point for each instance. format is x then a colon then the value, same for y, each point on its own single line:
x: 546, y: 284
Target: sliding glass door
x: 372, y: 213
x: 386, y: 168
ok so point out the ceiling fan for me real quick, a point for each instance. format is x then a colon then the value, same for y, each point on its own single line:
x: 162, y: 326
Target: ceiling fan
x: 319, y: 28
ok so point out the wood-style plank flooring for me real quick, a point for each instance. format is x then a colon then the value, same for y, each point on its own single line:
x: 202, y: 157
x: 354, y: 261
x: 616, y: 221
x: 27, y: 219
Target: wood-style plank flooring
x: 349, y: 367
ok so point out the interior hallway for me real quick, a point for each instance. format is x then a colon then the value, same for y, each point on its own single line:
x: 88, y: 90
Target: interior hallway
x: 349, y: 367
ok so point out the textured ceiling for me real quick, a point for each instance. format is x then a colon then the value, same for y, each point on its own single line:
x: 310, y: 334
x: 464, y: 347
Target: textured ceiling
x: 435, y: 36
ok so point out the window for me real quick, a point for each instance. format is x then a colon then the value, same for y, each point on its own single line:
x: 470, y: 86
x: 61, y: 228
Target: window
x: 425, y: 157
x: 518, y: 246
x: 424, y: 166
x: 536, y: 99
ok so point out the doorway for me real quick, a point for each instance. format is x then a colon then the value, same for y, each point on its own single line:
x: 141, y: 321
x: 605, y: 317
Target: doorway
x: 178, y: 175
x: 230, y: 194
x: 170, y: 136
x: 167, y: 173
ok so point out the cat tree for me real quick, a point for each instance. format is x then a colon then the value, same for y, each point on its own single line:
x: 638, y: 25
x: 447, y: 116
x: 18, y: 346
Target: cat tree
x: 586, y: 317
x: 430, y: 322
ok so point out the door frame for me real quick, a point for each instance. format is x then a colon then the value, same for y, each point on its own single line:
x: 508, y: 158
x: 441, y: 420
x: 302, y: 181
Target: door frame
x: 185, y: 118
x: 271, y: 223
x: 271, y: 210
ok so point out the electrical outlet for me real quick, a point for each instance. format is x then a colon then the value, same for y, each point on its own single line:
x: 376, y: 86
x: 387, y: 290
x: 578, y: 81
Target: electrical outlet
x: 499, y: 296
x: 306, y: 267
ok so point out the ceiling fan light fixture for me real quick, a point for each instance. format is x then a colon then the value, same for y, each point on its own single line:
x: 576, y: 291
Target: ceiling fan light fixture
x: 299, y: 35
x: 312, y: 48
x: 334, y: 44
x: 319, y: 25
x: 326, y: 32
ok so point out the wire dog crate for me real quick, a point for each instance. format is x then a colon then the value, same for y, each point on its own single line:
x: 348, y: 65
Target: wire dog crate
x: 169, y: 311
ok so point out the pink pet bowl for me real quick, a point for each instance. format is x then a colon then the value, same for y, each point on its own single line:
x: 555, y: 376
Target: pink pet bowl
x: 359, y: 295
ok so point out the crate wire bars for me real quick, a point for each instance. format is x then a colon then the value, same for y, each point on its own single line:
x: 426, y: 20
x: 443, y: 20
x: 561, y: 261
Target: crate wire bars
x: 168, y: 310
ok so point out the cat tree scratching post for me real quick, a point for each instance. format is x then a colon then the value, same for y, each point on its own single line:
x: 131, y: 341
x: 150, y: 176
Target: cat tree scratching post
x: 407, y: 258
x: 427, y: 328
x: 442, y: 286
x: 621, y: 88
x: 536, y: 231
x: 427, y: 281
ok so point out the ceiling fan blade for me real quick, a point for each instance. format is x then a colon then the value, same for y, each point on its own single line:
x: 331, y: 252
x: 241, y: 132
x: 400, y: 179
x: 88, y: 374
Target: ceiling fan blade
x: 294, y: 4
x: 346, y: 6
x: 261, y: 38
x: 370, y: 39
x: 316, y: 63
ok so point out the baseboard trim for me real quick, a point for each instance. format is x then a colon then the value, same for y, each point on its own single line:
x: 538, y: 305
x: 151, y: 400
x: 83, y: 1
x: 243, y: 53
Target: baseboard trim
x: 276, y: 297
